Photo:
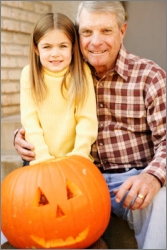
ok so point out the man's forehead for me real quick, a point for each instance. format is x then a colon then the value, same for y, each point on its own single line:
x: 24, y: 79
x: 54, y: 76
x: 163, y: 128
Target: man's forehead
x: 95, y: 26
x: 99, y: 25
x: 94, y: 18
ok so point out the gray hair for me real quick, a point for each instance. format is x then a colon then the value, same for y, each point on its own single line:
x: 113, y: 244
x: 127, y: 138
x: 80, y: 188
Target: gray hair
x: 115, y: 7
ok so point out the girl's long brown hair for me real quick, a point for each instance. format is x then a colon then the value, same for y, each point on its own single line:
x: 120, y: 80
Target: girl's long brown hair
x: 77, y: 87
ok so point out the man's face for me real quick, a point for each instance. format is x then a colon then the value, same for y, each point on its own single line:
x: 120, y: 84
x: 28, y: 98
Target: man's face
x: 100, y: 38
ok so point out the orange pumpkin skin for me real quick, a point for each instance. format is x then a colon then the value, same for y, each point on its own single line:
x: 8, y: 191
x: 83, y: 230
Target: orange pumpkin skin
x: 58, y: 204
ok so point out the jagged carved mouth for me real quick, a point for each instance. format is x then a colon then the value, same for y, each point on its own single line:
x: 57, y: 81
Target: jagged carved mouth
x: 60, y: 242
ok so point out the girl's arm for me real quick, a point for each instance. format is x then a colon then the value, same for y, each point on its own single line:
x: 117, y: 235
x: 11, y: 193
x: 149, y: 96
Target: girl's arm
x: 30, y: 120
x: 87, y: 126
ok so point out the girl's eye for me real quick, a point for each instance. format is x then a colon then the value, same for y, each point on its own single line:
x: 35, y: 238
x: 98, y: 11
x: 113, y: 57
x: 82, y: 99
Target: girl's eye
x: 46, y: 47
x: 63, y: 46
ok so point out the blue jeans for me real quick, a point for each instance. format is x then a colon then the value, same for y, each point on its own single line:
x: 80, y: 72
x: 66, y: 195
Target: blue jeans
x: 149, y: 224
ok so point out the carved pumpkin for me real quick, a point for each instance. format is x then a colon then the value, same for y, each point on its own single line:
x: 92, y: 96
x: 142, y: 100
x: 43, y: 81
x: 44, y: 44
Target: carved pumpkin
x: 57, y: 204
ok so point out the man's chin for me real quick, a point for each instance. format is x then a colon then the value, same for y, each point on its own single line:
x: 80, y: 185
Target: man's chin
x: 95, y: 62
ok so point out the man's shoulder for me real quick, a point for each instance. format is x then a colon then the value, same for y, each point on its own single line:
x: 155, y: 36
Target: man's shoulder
x: 142, y: 63
x: 137, y: 62
x: 129, y: 64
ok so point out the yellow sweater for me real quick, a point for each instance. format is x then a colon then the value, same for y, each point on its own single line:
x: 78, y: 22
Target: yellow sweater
x: 54, y: 129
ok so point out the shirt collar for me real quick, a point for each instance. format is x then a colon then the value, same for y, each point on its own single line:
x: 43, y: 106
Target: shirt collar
x: 121, y: 66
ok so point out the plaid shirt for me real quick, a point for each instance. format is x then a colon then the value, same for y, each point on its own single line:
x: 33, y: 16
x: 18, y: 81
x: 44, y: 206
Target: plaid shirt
x: 131, y: 109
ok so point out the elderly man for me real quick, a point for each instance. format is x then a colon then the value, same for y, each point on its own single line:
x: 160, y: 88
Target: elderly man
x: 130, y: 149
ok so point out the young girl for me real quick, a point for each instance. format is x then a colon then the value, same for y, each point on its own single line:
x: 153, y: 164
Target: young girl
x: 58, y: 107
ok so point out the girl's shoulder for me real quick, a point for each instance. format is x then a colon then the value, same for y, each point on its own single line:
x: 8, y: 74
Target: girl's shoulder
x: 86, y: 68
x: 25, y: 76
x: 26, y: 69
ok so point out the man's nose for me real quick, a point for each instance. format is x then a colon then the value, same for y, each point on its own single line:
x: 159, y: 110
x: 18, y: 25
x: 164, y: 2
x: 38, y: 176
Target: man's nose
x: 96, y: 39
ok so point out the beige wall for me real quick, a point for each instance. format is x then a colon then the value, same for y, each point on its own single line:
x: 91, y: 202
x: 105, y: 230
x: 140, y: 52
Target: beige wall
x: 146, y: 36
x: 69, y: 8
x: 17, y: 20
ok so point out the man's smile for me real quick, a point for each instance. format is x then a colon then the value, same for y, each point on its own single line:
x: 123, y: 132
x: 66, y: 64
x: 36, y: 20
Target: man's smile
x: 97, y: 52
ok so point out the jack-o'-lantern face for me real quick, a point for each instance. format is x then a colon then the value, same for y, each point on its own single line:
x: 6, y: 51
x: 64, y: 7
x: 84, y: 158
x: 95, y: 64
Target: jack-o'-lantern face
x: 63, y: 204
x: 61, y: 212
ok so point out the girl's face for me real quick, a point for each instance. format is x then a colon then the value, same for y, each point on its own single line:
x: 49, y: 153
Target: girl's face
x: 55, y: 50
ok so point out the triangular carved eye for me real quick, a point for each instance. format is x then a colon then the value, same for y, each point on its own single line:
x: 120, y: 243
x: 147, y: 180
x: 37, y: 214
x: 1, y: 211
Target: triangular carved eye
x: 72, y: 190
x: 43, y: 200
x: 40, y: 198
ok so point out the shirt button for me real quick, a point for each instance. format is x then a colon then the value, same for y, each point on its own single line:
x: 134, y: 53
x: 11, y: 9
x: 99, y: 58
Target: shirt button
x: 101, y: 124
x: 101, y: 144
x: 101, y: 105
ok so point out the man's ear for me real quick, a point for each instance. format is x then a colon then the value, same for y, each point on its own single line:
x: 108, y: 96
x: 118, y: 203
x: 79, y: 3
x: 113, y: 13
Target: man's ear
x: 123, y: 31
x: 36, y: 50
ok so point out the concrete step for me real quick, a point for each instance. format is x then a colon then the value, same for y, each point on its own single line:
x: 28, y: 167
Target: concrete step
x: 8, y: 126
x: 10, y: 161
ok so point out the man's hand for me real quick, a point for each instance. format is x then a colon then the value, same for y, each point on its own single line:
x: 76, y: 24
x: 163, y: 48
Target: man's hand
x: 144, y: 184
x: 23, y: 148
